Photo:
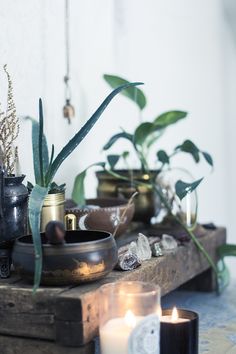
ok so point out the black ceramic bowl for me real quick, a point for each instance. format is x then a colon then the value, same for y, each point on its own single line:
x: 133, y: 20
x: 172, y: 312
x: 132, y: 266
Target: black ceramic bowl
x: 86, y: 256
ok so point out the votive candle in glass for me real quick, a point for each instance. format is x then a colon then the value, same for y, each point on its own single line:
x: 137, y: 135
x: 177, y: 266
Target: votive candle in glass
x: 179, y: 332
x: 129, y: 318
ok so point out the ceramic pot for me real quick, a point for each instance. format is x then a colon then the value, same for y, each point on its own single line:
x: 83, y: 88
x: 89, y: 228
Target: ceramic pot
x: 105, y: 215
x: 86, y: 256
x: 53, y: 209
x: 147, y: 203
x: 13, y: 219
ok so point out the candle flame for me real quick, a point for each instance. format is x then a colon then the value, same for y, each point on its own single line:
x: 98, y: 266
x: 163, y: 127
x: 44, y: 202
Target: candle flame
x: 175, y: 315
x: 130, y: 319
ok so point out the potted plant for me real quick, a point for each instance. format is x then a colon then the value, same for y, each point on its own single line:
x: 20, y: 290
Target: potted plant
x: 47, y: 173
x: 14, y: 195
x: 143, y: 140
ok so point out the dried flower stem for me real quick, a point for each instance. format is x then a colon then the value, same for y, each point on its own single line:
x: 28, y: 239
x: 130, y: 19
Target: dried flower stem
x: 9, y: 130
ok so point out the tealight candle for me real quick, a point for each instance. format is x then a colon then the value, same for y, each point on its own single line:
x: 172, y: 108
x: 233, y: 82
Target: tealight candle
x: 179, y: 332
x: 129, y: 318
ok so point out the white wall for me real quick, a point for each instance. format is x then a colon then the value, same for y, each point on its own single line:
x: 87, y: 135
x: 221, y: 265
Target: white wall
x: 174, y: 47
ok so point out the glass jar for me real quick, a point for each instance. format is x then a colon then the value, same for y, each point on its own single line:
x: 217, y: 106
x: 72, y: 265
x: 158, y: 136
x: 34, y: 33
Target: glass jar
x: 129, y: 315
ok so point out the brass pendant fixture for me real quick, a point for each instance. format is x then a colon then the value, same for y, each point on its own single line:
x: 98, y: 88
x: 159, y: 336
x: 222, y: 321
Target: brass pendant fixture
x: 68, y: 109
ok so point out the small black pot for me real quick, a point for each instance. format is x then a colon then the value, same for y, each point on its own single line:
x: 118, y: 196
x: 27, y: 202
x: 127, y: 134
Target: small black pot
x: 86, y: 256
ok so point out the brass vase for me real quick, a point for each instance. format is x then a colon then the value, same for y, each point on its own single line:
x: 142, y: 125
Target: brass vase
x: 53, y: 209
x: 147, y: 202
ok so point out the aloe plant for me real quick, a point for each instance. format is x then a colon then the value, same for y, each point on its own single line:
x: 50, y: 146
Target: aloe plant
x: 45, y: 170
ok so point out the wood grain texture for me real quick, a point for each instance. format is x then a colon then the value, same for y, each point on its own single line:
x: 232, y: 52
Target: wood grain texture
x: 69, y: 316
x: 15, y: 345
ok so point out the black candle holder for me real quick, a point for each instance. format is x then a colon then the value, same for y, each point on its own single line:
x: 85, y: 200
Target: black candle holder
x: 179, y: 337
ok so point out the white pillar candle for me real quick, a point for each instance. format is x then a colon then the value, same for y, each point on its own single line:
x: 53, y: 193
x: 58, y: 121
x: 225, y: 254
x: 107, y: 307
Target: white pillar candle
x: 114, y: 335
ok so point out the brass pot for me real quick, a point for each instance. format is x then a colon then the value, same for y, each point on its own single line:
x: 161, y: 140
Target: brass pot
x: 53, y: 209
x: 147, y: 202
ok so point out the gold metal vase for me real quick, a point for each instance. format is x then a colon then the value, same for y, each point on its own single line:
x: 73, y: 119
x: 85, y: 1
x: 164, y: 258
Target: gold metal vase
x: 53, y: 209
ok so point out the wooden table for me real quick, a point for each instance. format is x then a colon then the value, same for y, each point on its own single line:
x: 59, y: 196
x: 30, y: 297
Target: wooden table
x: 68, y: 316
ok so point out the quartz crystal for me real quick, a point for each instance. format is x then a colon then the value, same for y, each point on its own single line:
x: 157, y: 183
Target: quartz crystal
x: 168, y: 243
x: 143, y: 248
x: 128, y: 261
x: 156, y: 250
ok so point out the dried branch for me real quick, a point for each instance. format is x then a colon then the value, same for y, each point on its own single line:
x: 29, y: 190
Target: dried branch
x: 9, y: 130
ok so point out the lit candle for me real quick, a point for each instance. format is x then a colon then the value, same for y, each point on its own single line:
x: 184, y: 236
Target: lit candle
x: 179, y: 332
x: 128, y: 316
x: 114, y: 335
x: 174, y: 317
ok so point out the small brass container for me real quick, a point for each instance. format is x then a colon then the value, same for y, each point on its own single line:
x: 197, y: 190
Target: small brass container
x: 53, y: 209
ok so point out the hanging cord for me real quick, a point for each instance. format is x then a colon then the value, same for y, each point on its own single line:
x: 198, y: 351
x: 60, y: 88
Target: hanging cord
x: 68, y: 109
x: 67, y: 52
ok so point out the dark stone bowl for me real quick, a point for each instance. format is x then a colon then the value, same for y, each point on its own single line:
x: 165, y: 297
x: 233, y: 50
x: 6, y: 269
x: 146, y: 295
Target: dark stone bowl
x: 86, y: 256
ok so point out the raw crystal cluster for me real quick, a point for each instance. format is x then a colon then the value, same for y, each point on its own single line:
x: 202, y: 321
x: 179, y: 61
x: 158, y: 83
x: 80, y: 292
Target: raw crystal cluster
x: 132, y: 256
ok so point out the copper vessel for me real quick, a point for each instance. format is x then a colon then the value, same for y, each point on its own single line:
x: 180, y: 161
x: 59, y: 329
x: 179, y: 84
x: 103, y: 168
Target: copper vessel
x: 147, y: 202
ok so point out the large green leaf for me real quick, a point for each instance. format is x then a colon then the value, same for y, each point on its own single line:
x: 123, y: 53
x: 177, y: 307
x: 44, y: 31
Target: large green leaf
x: 35, y: 146
x: 142, y: 132
x: 183, y: 188
x: 116, y: 137
x: 76, y: 140
x: 133, y: 93
x: 78, y: 193
x: 168, y: 118
x: 36, y: 200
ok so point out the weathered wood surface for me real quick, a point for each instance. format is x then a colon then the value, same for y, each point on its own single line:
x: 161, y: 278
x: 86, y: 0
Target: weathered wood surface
x: 69, y: 316
x: 16, y: 345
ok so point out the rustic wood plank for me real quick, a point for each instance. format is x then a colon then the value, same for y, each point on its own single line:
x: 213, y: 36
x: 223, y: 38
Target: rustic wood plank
x: 15, y: 345
x: 25, y: 314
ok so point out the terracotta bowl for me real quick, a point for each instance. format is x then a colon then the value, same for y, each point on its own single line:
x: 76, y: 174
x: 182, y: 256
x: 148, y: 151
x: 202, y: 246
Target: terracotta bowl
x: 105, y: 214
x: 86, y: 256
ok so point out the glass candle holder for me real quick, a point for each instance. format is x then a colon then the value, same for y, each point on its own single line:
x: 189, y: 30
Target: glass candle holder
x: 129, y: 318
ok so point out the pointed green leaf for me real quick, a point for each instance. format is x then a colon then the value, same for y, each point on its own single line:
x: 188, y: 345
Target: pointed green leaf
x: 78, y: 193
x: 189, y: 147
x: 142, y: 132
x: 183, y: 188
x: 116, y: 137
x: 163, y: 157
x: 168, y: 118
x: 81, y: 134
x: 113, y: 160
x: 208, y: 158
x: 36, y: 200
x: 133, y: 93
x: 35, y: 146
